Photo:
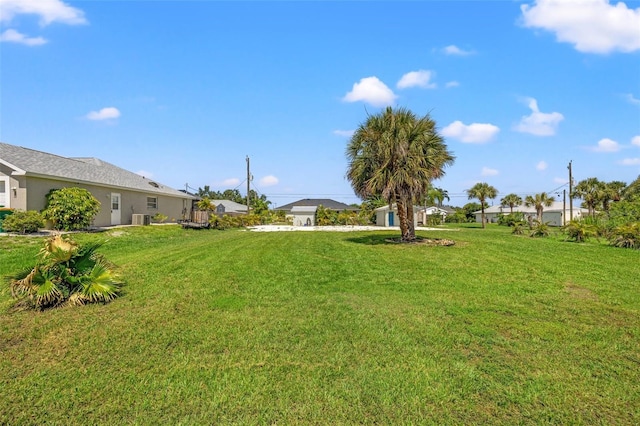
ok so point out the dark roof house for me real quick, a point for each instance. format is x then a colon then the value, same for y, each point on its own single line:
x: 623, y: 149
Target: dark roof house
x: 315, y: 202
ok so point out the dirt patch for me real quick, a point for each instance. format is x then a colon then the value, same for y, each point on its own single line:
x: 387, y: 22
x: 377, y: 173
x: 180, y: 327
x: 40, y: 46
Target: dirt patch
x: 423, y: 241
x: 580, y: 292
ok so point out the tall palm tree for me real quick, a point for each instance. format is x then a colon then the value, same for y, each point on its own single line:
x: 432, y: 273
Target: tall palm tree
x: 612, y: 192
x: 511, y: 201
x: 436, y: 196
x: 396, y: 155
x: 592, y: 191
x: 482, y: 191
x: 539, y: 201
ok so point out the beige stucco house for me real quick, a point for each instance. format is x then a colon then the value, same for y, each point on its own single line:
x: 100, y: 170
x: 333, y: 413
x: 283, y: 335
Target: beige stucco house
x: 27, y: 176
x: 556, y: 215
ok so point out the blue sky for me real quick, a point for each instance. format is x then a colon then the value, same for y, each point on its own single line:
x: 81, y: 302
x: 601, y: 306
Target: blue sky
x: 182, y: 92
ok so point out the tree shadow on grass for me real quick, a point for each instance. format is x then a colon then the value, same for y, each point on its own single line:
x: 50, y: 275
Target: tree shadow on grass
x: 373, y: 240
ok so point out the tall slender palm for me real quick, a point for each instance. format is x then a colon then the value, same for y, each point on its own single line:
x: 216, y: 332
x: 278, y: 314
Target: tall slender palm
x: 436, y: 196
x: 511, y: 201
x: 482, y: 191
x: 592, y: 191
x: 539, y: 202
x: 396, y: 155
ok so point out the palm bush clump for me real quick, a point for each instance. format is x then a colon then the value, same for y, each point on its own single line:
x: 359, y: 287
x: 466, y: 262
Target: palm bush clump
x: 65, y: 274
x: 580, y: 230
x: 540, y: 229
x: 626, y: 236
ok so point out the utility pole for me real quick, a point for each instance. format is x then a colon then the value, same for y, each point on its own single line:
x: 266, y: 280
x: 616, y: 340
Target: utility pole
x: 570, y: 192
x: 564, y: 206
x: 248, y: 185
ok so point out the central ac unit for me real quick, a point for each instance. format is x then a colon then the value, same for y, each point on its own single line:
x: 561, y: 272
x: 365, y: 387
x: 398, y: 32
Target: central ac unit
x: 141, y: 219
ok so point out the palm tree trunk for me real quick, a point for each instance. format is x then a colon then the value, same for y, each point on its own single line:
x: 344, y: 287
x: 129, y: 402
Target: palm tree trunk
x: 482, y: 215
x: 410, y: 223
x: 402, y: 218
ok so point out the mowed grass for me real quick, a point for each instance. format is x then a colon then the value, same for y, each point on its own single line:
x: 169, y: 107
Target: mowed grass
x: 332, y: 328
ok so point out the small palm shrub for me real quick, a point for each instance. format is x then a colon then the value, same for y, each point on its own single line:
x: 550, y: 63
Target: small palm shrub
x: 579, y: 230
x: 626, y: 236
x: 159, y: 218
x: 539, y: 229
x: 23, y: 222
x: 65, y: 274
x: 518, y: 228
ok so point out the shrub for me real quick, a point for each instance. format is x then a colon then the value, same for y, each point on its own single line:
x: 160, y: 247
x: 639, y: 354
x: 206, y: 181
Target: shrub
x: 539, y: 229
x: 159, y: 218
x: 24, y: 222
x: 518, y: 228
x: 579, y: 230
x: 65, y: 274
x: 626, y: 236
x: 510, y: 219
x: 71, y: 208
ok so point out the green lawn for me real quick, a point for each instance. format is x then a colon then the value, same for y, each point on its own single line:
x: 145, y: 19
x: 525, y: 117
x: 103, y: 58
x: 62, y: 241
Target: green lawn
x: 238, y: 327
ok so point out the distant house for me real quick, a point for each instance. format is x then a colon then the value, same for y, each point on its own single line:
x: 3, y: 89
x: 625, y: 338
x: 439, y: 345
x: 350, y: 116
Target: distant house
x: 327, y: 203
x: 27, y: 176
x: 557, y: 214
x: 228, y: 207
x: 388, y: 216
x: 304, y: 215
x: 424, y: 213
x: 303, y: 212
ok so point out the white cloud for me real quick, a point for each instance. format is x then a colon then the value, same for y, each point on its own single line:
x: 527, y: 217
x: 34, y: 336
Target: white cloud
x: 486, y: 171
x: 472, y: 133
x: 13, y: 36
x: 230, y: 182
x: 145, y: 174
x: 269, y: 180
x: 371, y: 90
x: 606, y: 145
x: 452, y: 84
x: 632, y: 99
x: 104, y: 114
x: 630, y: 162
x: 542, y: 165
x: 344, y: 133
x: 420, y: 78
x: 48, y: 11
x: 593, y: 26
x: 539, y: 123
x: 455, y: 50
x: 635, y: 141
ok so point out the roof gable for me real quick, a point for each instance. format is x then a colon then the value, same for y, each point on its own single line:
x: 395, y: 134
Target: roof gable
x: 29, y: 162
x: 327, y: 203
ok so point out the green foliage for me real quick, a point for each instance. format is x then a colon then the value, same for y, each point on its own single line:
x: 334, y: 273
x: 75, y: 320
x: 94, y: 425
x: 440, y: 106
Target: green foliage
x: 159, y: 218
x: 626, y: 236
x: 482, y: 191
x: 65, y: 274
x: 539, y: 229
x: 623, y: 212
x: 434, y: 219
x: 464, y: 214
x: 511, y: 219
x: 24, y: 222
x: 518, y: 228
x: 71, y: 208
x: 511, y: 201
x: 539, y: 202
x: 579, y: 230
x: 240, y: 221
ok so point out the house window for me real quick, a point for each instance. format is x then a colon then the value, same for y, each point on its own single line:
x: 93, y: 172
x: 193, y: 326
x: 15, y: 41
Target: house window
x: 220, y: 208
x: 152, y: 203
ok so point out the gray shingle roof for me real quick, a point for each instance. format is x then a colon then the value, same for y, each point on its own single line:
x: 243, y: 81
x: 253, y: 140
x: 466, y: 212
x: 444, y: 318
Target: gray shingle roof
x: 325, y: 202
x: 83, y: 170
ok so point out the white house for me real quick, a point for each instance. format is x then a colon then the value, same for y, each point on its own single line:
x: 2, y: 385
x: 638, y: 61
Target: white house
x: 304, y: 215
x: 557, y: 214
x: 388, y: 216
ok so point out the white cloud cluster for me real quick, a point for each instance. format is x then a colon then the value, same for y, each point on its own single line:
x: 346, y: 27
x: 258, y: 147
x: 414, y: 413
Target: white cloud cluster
x: 606, y: 145
x: 269, y: 180
x: 372, y: 91
x: 108, y: 113
x: 630, y: 162
x: 542, y: 165
x: 636, y: 141
x: 632, y: 99
x: 344, y: 133
x: 13, y: 36
x: 450, y: 84
x: 539, y: 123
x: 456, y: 51
x: 593, y: 26
x: 472, y: 133
x: 229, y: 182
x: 420, y: 78
x: 48, y: 11
x: 486, y: 171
